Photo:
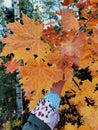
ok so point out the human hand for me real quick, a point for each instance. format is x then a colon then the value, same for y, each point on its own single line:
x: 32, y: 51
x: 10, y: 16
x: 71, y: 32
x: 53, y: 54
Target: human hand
x: 57, y: 87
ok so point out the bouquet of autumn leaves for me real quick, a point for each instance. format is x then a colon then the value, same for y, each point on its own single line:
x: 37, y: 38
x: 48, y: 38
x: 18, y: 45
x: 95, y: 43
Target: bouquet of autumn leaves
x: 44, y: 56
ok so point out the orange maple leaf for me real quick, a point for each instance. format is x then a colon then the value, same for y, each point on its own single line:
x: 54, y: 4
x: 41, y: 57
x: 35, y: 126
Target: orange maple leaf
x: 26, y: 37
x: 92, y: 23
x: 87, y: 58
x: 66, y: 63
x: 63, y: 63
x: 69, y: 20
x: 12, y: 65
x: 38, y: 75
x: 73, y: 45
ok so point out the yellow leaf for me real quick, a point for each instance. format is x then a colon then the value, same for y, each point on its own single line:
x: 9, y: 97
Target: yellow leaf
x: 85, y: 127
x: 90, y: 116
x: 69, y: 127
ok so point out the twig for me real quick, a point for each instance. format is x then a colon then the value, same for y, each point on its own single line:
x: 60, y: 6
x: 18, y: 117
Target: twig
x: 76, y: 84
x: 84, y: 25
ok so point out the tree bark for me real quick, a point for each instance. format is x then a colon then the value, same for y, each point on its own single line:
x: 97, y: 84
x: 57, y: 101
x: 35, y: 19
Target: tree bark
x: 18, y: 97
x: 16, y: 10
x: 18, y: 86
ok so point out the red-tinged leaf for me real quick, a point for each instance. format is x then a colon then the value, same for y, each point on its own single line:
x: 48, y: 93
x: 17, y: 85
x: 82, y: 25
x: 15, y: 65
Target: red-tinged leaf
x: 61, y: 61
x: 51, y: 36
x: 12, y: 65
x: 83, y: 3
x: 73, y: 45
x: 67, y: 2
x: 65, y: 63
x: 69, y: 20
x: 80, y: 5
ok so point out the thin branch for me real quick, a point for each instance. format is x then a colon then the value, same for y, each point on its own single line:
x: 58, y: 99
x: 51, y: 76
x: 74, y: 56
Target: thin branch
x: 84, y: 25
x: 76, y: 84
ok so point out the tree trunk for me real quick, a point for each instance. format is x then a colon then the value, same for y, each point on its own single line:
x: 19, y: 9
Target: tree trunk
x: 16, y: 10
x: 18, y: 97
x: 18, y: 86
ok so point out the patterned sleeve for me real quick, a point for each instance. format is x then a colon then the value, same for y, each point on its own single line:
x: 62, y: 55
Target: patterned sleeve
x: 47, y: 109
